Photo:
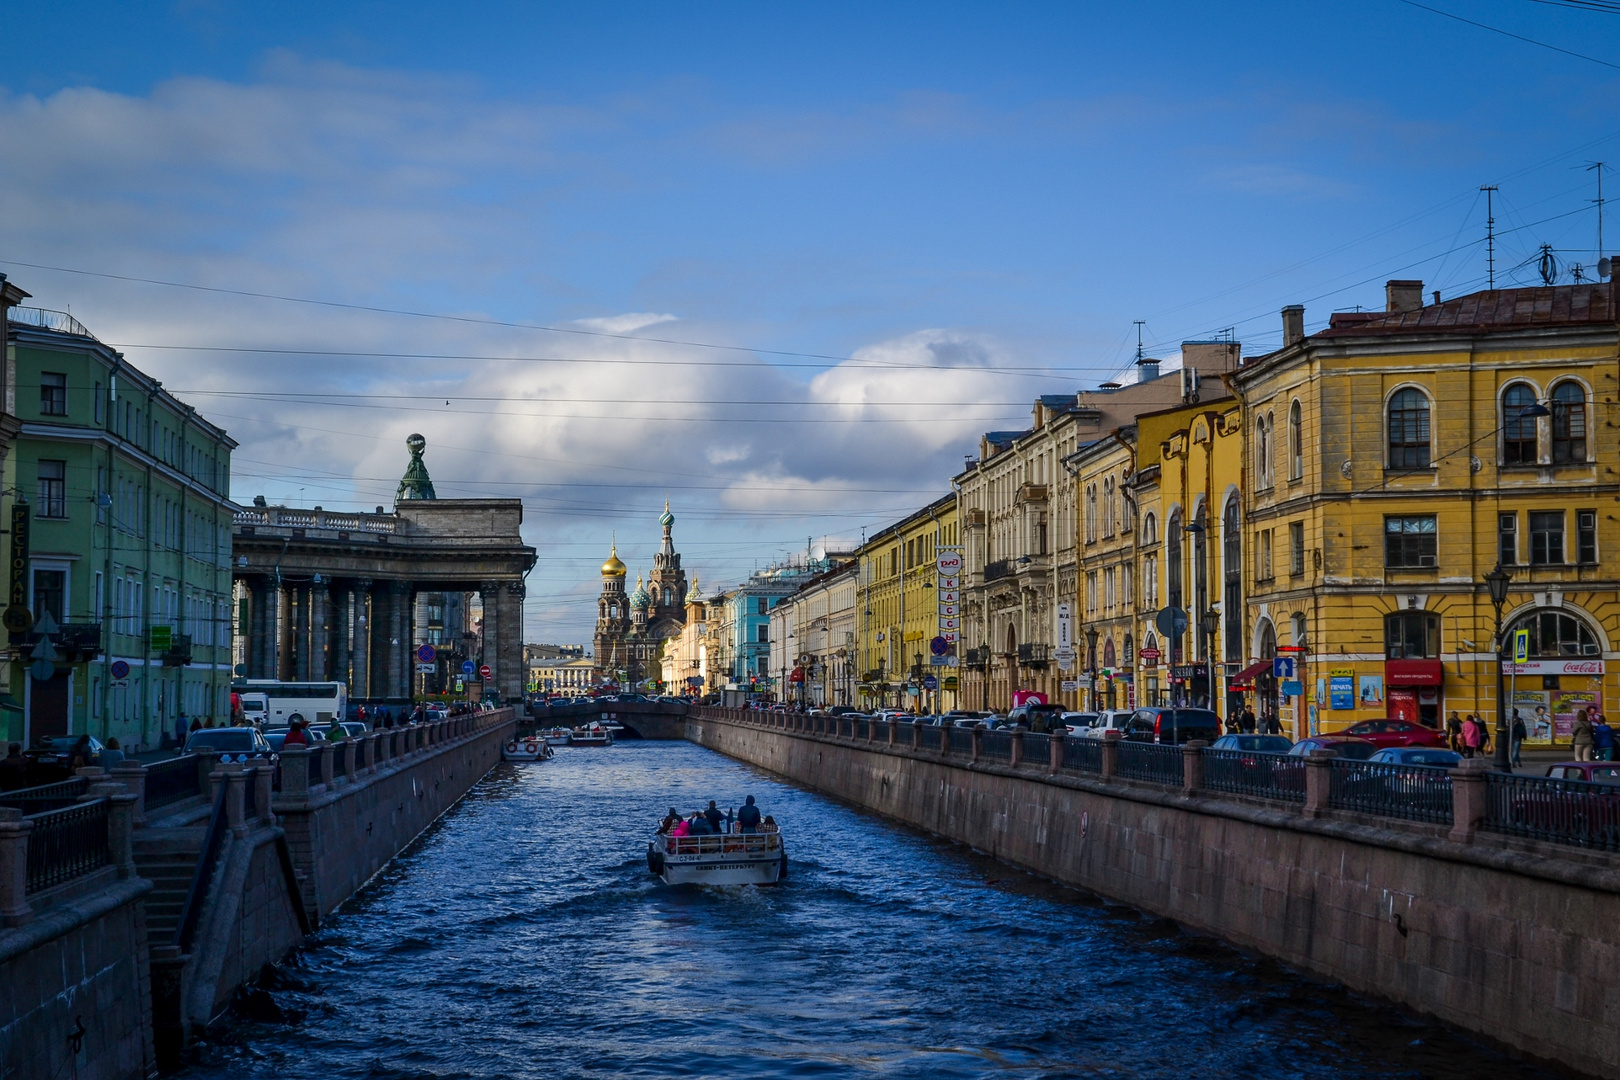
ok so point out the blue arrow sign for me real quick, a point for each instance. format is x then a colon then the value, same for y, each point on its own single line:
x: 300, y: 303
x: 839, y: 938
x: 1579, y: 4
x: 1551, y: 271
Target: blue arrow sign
x: 468, y: 667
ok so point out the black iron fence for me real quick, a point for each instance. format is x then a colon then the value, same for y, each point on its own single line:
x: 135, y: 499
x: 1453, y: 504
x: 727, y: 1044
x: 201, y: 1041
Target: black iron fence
x: 171, y: 781
x: 1562, y: 811
x: 67, y: 843
x: 929, y: 736
x: 1246, y: 772
x: 1037, y: 750
x: 1083, y: 755
x: 1154, y: 762
x: 1413, y: 792
x: 42, y: 797
x: 995, y: 745
x: 961, y: 740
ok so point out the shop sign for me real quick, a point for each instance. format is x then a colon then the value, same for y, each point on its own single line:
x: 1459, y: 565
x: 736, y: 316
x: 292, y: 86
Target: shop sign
x: 1554, y: 667
x: 1342, y: 688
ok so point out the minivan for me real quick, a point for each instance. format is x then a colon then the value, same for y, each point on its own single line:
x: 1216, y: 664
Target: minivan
x: 1176, y: 726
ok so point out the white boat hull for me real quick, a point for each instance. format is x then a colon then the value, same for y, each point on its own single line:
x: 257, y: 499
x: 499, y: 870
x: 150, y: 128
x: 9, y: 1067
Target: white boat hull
x: 733, y: 859
x: 529, y: 749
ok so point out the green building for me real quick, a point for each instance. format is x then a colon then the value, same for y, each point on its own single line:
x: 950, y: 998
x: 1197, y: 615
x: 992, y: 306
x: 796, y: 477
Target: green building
x: 128, y: 538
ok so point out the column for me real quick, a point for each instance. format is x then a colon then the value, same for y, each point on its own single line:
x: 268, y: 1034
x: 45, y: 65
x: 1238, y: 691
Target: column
x: 360, y: 685
x: 320, y: 631
x: 258, y: 628
x: 490, y: 593
x: 298, y: 601
x: 400, y: 642
x: 382, y: 598
x: 342, y: 606
x: 509, y: 675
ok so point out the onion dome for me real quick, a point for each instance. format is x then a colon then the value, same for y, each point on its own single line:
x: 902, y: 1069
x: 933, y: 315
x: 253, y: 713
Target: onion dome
x: 692, y: 594
x: 666, y: 519
x: 639, y: 598
x: 613, y: 567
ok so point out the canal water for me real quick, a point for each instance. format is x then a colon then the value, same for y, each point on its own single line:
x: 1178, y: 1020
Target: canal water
x: 522, y: 937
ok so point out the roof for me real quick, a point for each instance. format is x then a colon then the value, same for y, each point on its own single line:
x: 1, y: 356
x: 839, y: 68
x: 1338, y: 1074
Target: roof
x: 1005, y: 438
x: 1585, y: 304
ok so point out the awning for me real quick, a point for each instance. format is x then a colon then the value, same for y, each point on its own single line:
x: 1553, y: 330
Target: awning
x: 1252, y: 672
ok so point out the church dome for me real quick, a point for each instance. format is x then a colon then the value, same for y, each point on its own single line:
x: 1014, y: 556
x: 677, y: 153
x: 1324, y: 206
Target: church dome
x: 639, y: 598
x: 666, y: 519
x: 692, y: 594
x: 613, y: 567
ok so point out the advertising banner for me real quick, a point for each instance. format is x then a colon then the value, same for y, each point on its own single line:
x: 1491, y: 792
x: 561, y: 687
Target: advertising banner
x: 1566, y: 706
x: 1532, y: 707
x: 1372, y: 690
x: 1342, y: 688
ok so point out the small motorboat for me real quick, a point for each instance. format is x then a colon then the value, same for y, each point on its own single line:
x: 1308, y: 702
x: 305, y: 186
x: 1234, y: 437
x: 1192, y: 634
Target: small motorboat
x: 734, y: 858
x: 590, y: 735
x: 557, y: 736
x: 526, y: 748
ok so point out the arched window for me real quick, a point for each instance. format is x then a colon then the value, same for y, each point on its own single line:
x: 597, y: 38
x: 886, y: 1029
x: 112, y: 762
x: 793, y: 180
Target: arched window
x: 1232, y: 585
x: 1553, y: 633
x: 1262, y: 450
x: 1518, y: 431
x: 1409, y: 429
x: 1130, y: 649
x: 1150, y: 529
x: 1297, y: 627
x: 1108, y: 507
x: 1012, y: 640
x: 1091, y: 513
x: 1108, y: 653
x: 1172, y: 560
x: 1268, y: 640
x: 1296, y: 443
x: 1568, y: 424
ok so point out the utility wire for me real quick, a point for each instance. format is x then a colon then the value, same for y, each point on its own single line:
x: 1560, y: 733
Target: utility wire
x: 1511, y: 34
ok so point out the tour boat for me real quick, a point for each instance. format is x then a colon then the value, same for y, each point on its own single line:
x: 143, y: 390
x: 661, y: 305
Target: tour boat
x: 735, y: 858
x: 557, y: 736
x: 526, y: 748
x: 590, y: 735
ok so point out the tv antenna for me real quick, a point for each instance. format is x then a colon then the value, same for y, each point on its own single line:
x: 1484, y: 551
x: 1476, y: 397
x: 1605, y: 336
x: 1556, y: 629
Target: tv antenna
x: 1549, y: 265
x: 1603, y: 263
x: 1139, y: 324
x: 1490, y: 234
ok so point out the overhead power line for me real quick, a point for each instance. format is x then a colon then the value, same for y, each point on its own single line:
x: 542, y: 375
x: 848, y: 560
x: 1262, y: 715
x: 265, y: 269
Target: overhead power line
x: 1511, y: 34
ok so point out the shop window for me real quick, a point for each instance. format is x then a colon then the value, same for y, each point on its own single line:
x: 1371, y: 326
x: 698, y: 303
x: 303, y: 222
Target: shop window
x: 1546, y: 538
x: 1412, y: 635
x: 1409, y: 541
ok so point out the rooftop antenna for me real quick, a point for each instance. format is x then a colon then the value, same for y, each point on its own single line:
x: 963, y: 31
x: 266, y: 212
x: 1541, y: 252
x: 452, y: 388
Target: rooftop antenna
x: 1603, y: 262
x: 1490, y: 234
x: 1549, y: 265
x: 1139, y: 324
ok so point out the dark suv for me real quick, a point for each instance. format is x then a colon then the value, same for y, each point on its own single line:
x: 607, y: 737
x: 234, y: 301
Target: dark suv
x: 1037, y: 716
x: 1165, y: 725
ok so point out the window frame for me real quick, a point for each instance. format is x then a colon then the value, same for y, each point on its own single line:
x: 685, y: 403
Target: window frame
x: 1427, y: 626
x: 1514, y: 439
x: 1296, y: 441
x: 1586, y: 545
x: 1541, y: 537
x: 1507, y: 538
x: 1296, y: 548
x: 52, y: 503
x: 53, y: 397
x: 1410, y: 550
x: 1565, y: 415
x: 1415, y: 427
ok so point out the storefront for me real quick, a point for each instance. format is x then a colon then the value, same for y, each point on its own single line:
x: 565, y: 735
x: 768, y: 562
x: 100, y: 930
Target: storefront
x: 1412, y: 690
x: 1564, y: 674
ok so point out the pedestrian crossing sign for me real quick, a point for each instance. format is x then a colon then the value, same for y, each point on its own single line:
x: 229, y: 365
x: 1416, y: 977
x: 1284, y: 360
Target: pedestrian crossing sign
x: 1521, y: 646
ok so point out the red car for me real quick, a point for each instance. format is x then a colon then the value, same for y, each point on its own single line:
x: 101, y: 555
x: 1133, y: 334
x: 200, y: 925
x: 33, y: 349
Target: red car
x: 1387, y: 733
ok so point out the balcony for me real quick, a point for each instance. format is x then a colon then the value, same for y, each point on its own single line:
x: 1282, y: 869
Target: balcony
x: 977, y: 657
x: 75, y: 642
x: 178, y: 654
x: 998, y: 569
x: 1028, y: 493
x: 1035, y: 655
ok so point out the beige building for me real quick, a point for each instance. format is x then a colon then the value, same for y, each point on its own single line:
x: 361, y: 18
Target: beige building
x: 686, y: 655
x: 813, y: 638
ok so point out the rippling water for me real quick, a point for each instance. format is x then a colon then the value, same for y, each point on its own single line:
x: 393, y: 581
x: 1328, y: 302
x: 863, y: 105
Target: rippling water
x: 523, y: 937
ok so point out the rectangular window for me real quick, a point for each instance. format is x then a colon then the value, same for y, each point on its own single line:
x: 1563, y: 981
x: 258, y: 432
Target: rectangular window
x: 1091, y: 591
x: 1296, y: 547
x: 50, y: 589
x: 1412, y: 635
x: 763, y: 608
x: 1127, y: 588
x: 1108, y: 590
x: 1507, y: 539
x: 1409, y: 541
x: 1150, y: 581
x: 1262, y: 556
x: 1546, y: 538
x: 52, y: 393
x: 95, y: 612
x: 764, y: 634
x: 100, y: 406
x: 1586, y: 536
x: 53, y: 489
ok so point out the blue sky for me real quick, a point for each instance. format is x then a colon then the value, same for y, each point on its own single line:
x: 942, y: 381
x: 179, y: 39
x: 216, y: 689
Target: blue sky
x: 903, y: 221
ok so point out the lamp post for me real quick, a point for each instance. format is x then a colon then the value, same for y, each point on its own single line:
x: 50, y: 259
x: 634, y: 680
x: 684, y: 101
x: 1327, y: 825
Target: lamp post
x: 1210, y: 622
x: 1497, y: 582
x: 1091, y: 662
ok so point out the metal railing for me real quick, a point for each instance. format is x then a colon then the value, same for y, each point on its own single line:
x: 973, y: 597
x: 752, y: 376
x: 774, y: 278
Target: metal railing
x: 1156, y: 763
x: 1037, y: 750
x: 1248, y: 772
x: 42, y: 797
x: 1412, y: 792
x: 1083, y: 755
x: 961, y: 740
x: 723, y: 843
x: 1037, y: 652
x: 928, y: 736
x: 67, y: 843
x: 1561, y: 811
x: 996, y: 745
x: 997, y: 569
x: 171, y: 781
x: 46, y: 319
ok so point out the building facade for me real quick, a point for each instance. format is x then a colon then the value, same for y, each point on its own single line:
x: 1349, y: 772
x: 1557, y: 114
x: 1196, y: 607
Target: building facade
x: 1415, y: 450
x: 813, y: 640
x: 899, y: 611
x: 125, y: 546
x: 632, y: 628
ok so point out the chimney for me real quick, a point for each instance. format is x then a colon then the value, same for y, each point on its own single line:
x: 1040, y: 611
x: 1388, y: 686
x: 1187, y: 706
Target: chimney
x: 1402, y: 296
x: 1147, y: 369
x: 1293, y: 324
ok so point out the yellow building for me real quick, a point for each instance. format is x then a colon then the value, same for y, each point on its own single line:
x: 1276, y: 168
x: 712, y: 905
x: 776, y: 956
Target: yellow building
x: 1104, y: 603
x: 1394, y: 459
x: 898, y: 611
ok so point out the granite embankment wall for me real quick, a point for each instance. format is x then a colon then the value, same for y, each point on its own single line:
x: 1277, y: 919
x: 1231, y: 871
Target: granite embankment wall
x: 1515, y: 940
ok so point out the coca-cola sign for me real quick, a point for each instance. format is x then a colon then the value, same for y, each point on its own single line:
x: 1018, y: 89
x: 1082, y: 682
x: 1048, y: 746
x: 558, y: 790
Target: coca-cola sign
x: 1554, y: 667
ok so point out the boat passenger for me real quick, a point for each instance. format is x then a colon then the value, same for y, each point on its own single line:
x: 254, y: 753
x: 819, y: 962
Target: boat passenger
x: 714, y: 817
x: 669, y: 822
x: 769, y: 823
x: 748, y: 816
x: 699, y: 826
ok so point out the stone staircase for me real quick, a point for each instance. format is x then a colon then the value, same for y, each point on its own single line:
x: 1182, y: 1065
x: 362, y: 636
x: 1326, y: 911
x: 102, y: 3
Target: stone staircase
x: 168, y: 859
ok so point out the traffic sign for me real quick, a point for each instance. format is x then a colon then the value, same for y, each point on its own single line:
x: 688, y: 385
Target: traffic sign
x: 483, y: 672
x: 1282, y: 667
x: 1171, y: 621
x: 468, y: 667
x: 1292, y: 688
x: 426, y: 654
x: 1521, y: 646
x: 17, y: 619
x: 930, y: 683
x: 939, y: 646
x: 119, y: 669
x: 426, y: 669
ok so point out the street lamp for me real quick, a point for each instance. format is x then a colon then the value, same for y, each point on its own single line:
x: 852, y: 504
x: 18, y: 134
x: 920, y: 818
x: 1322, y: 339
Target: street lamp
x: 1210, y: 622
x: 1497, y: 582
x: 1091, y: 661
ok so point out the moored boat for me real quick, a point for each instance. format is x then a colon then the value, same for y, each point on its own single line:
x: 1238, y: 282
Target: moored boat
x: 556, y: 736
x: 590, y: 735
x: 526, y: 748
x: 734, y: 858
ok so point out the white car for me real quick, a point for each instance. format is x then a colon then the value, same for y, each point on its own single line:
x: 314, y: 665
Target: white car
x: 1079, y: 722
x: 1108, y: 720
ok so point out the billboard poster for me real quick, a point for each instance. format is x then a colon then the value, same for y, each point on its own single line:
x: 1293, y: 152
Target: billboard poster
x: 1342, y: 689
x: 1532, y: 707
x: 1372, y: 690
x: 1566, y: 706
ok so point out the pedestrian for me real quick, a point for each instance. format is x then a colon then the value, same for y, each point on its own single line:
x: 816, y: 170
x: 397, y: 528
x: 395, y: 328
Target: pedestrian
x: 1602, y: 739
x: 1246, y: 721
x: 196, y: 724
x: 362, y: 714
x: 295, y: 735
x: 1472, y: 736
x: 1581, y: 737
x: 110, y: 754
x: 1517, y: 734
x: 1454, y: 733
x: 14, y: 769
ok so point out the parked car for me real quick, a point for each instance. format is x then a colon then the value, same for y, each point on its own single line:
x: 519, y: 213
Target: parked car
x: 1342, y: 745
x: 48, y: 759
x: 1254, y: 744
x: 1420, y: 755
x: 1108, y: 720
x: 1393, y: 732
x: 1079, y: 722
x: 277, y: 737
x: 1173, y: 726
x: 352, y: 728
x: 1036, y: 716
x: 233, y: 744
x: 1593, y: 772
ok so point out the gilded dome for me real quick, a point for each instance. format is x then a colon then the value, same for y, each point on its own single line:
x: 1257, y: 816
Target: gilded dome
x: 639, y: 598
x: 613, y: 567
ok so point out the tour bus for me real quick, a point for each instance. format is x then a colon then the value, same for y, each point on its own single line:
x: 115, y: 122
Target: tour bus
x: 270, y: 703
